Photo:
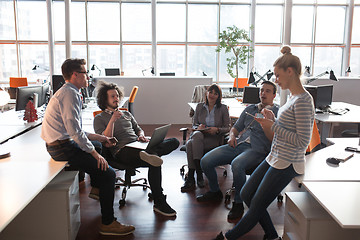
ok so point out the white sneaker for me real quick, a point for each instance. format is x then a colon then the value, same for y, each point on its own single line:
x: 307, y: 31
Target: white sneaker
x: 151, y: 159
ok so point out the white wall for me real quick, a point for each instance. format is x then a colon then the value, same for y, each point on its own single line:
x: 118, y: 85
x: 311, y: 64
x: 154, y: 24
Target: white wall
x: 160, y: 100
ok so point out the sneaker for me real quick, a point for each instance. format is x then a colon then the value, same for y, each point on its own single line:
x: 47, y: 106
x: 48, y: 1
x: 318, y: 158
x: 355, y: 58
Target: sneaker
x: 220, y: 236
x: 210, y: 197
x: 236, y: 211
x: 266, y: 238
x: 200, y: 180
x: 94, y: 193
x: 151, y: 159
x: 164, y: 209
x: 116, y: 229
x: 189, y: 185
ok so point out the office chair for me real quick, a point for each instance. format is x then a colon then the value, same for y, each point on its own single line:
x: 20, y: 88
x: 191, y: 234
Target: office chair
x: 16, y: 82
x: 315, y: 141
x: 241, y: 83
x: 130, y: 107
x: 126, y: 182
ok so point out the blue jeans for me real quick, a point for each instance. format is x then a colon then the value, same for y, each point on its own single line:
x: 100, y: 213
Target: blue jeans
x: 241, y: 158
x: 104, y: 180
x: 263, y: 186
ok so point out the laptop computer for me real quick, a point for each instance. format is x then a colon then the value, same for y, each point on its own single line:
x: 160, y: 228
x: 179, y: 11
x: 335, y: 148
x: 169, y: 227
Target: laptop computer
x: 157, y: 137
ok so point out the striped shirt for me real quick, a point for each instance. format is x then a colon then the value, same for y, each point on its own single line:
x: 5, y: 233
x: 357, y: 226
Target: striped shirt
x: 292, y: 129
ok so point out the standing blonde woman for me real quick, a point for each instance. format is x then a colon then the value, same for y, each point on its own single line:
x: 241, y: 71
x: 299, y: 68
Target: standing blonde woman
x: 292, y: 132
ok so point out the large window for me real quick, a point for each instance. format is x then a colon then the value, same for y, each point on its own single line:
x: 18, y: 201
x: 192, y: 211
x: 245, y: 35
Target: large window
x: 318, y: 33
x: 120, y: 34
x: 355, y: 50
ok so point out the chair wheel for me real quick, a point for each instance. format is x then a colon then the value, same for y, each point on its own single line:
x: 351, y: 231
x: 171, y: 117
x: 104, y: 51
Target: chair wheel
x: 280, y: 198
x: 225, y: 173
x: 122, y: 203
x: 182, y: 171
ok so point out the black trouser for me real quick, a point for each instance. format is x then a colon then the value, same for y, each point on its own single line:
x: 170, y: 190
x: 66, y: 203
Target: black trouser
x: 130, y: 157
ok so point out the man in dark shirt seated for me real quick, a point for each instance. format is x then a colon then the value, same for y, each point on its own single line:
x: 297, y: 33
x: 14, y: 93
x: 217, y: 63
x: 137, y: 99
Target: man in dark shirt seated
x: 123, y: 126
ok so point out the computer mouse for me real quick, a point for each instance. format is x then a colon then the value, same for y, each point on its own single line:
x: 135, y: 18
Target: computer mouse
x: 333, y: 161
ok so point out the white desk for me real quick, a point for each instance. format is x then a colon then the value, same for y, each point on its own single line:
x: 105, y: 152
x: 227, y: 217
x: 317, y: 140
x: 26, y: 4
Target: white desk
x: 12, y: 124
x: 329, y: 120
x: 316, y: 168
x: 339, y: 199
x: 24, y: 174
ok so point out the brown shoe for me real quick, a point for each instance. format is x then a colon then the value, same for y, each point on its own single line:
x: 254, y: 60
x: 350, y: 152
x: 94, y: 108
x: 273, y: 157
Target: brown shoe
x: 116, y: 228
x: 94, y: 193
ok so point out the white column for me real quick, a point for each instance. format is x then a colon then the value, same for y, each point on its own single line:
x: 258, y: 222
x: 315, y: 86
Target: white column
x: 252, y: 32
x: 348, y: 32
x: 286, y: 40
x: 67, y: 29
x: 153, y: 40
x: 50, y: 38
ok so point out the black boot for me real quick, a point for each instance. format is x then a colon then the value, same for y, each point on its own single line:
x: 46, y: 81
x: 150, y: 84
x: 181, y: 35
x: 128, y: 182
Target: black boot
x: 236, y: 211
x: 200, y: 179
x: 162, y: 207
x: 199, y: 174
x: 189, y: 184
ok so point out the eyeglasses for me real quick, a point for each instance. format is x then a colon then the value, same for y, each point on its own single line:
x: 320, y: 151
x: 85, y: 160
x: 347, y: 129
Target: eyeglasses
x: 87, y: 72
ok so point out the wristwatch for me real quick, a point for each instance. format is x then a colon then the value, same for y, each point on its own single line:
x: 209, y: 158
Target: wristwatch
x: 218, y: 131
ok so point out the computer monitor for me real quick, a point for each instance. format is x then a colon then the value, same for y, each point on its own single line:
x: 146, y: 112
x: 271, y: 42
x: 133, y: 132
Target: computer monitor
x: 24, y: 94
x: 251, y: 95
x: 57, y: 82
x: 112, y: 72
x: 45, y: 94
x: 322, y: 95
x: 167, y: 74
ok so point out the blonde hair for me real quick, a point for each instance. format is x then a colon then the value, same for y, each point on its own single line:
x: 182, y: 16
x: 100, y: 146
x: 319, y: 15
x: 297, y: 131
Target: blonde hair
x: 288, y: 60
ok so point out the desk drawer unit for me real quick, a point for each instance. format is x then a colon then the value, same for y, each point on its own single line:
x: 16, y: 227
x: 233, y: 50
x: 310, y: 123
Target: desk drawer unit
x: 306, y: 219
x: 53, y: 214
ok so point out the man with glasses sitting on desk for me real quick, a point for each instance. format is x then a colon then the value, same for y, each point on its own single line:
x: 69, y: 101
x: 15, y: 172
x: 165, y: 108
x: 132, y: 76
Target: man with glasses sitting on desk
x: 244, y: 153
x: 66, y: 141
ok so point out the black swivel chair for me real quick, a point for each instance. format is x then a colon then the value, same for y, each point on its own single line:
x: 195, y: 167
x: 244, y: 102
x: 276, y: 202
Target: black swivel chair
x: 127, y: 181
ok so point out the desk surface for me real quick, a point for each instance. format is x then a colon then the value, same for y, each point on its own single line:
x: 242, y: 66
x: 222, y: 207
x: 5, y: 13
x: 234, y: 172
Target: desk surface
x: 339, y: 199
x: 316, y: 168
x: 24, y: 174
x: 352, y: 116
x: 12, y: 124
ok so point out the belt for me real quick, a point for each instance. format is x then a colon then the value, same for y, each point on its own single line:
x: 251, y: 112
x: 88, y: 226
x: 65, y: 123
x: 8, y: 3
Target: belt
x: 58, y: 142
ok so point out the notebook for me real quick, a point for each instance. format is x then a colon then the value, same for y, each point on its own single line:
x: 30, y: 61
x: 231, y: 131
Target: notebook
x: 157, y: 137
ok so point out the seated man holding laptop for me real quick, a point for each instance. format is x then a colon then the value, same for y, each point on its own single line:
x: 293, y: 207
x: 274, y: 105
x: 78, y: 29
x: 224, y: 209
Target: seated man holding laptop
x: 123, y: 126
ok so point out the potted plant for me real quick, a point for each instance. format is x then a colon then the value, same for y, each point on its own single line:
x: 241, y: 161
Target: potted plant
x: 237, y: 41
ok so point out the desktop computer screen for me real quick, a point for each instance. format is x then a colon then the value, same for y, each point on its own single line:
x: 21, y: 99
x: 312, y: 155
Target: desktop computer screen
x: 45, y: 94
x: 57, y: 82
x: 251, y: 95
x: 112, y: 72
x: 24, y: 94
x: 321, y: 94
